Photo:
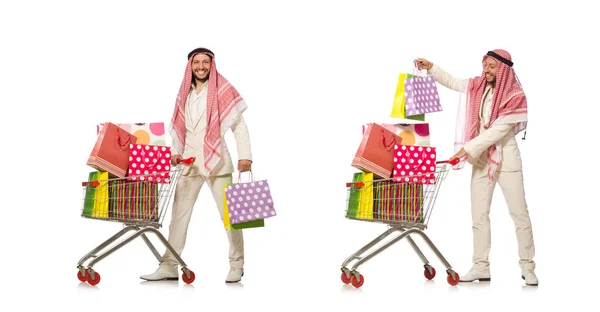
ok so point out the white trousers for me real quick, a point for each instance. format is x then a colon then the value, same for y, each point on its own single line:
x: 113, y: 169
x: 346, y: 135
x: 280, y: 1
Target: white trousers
x: 186, y: 194
x: 511, y: 183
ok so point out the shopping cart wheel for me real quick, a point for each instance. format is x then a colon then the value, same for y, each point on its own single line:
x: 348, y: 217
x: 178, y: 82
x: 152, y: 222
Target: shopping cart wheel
x: 345, y: 278
x: 81, y: 277
x: 355, y: 282
x: 452, y: 281
x: 94, y: 281
x: 429, y: 275
x: 190, y: 279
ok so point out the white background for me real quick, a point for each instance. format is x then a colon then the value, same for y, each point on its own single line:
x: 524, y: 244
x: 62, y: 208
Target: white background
x: 312, y: 72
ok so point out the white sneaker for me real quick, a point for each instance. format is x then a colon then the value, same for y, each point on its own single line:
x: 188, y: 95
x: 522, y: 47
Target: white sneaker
x: 234, y: 275
x: 529, y: 277
x: 163, y: 273
x: 476, y: 275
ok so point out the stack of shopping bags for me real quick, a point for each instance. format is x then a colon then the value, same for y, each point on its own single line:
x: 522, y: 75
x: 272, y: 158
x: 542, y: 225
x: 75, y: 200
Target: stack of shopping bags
x: 247, y: 204
x: 396, y: 161
x: 131, y: 162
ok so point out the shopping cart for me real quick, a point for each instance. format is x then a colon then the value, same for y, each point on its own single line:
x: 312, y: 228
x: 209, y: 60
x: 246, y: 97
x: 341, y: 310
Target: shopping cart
x: 405, y: 207
x: 136, y: 202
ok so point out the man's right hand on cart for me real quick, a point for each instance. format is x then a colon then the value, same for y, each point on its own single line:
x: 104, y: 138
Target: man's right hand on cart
x: 176, y: 159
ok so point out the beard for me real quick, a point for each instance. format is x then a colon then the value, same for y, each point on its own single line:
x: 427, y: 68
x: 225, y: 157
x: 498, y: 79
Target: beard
x: 201, y: 79
x: 492, y: 81
x: 197, y: 79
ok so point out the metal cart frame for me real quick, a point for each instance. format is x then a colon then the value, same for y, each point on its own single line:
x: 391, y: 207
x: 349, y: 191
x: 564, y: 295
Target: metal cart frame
x: 399, y: 229
x: 134, y: 227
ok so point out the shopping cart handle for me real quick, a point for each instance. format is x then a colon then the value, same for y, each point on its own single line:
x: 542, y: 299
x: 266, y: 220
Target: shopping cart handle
x: 355, y: 184
x: 187, y: 161
x: 91, y: 183
x: 454, y: 161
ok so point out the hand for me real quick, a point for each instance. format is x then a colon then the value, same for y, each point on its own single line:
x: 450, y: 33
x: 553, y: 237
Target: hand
x: 175, y: 159
x: 423, y: 63
x: 462, y: 153
x: 244, y: 165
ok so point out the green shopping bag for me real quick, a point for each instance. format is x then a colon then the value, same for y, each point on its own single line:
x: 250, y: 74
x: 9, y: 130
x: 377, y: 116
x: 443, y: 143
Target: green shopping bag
x: 90, y: 195
x: 354, y: 197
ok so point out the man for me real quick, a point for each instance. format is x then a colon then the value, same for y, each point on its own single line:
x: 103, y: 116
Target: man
x: 492, y: 111
x: 207, y: 106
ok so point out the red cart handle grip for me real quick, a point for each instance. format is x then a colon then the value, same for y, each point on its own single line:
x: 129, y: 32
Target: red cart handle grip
x: 453, y: 161
x: 355, y: 184
x: 187, y: 161
x: 91, y: 183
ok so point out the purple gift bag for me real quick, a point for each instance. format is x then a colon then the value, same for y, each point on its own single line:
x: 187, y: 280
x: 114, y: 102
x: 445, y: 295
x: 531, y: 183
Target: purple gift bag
x: 421, y: 96
x: 249, y: 201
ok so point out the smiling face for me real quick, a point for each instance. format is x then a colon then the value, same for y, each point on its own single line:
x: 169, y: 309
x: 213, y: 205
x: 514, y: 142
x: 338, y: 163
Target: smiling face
x: 201, y: 67
x: 490, y: 68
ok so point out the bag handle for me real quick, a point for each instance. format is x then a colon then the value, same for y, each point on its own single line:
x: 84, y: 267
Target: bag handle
x: 159, y: 155
x: 240, y: 177
x: 119, y: 140
x: 417, y: 72
x: 416, y: 165
x: 387, y: 146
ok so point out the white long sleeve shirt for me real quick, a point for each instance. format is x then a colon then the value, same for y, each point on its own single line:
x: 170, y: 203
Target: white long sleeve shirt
x: 487, y: 136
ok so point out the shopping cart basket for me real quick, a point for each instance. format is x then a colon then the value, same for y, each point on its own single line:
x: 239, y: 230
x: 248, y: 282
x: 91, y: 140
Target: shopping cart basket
x: 405, y: 207
x: 137, y: 202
